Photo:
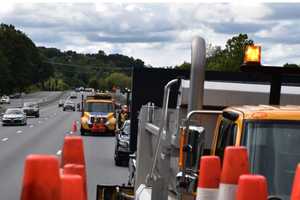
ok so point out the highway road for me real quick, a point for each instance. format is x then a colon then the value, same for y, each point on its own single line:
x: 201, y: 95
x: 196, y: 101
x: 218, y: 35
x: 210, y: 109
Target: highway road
x: 45, y: 135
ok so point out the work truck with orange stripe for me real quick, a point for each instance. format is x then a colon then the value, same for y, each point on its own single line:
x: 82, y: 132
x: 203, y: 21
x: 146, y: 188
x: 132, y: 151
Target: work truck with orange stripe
x: 98, y: 115
x: 171, y: 141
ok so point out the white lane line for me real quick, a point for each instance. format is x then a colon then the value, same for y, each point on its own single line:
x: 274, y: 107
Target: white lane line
x: 40, y: 122
x: 31, y: 126
x: 4, y: 139
x: 19, y: 131
x: 58, y: 152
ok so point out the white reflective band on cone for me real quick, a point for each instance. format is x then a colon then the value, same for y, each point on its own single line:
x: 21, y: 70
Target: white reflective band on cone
x: 207, y: 194
x: 227, y: 191
x: 143, y: 192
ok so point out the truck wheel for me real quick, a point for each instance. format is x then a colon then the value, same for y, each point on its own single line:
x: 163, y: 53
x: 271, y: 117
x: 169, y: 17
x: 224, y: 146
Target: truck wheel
x: 82, y: 132
x: 118, y: 162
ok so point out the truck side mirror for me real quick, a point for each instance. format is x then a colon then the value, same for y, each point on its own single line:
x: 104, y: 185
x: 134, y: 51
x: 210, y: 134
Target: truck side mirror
x: 194, y: 147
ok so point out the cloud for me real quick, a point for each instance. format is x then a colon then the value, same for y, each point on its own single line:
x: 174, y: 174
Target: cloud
x: 158, y: 33
x: 284, y: 11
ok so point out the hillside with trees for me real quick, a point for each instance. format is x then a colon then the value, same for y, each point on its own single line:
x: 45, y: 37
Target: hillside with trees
x: 25, y: 67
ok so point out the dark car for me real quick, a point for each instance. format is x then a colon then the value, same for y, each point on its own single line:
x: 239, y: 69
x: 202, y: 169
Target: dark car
x: 14, y: 116
x: 69, y: 105
x: 122, y: 150
x: 31, y: 109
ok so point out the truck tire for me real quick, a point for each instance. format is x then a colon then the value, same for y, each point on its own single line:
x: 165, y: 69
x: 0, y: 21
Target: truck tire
x: 82, y: 132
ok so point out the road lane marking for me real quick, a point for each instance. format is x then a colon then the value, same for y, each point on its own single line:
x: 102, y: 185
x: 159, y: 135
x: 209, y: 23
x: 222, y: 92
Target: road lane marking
x: 19, y: 131
x: 4, y: 139
x: 31, y: 126
x: 58, y: 152
x: 40, y: 122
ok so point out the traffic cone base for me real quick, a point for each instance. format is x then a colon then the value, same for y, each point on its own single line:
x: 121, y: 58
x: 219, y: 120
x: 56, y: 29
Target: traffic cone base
x: 73, y: 169
x: 227, y: 191
x: 207, y: 194
x: 41, y: 179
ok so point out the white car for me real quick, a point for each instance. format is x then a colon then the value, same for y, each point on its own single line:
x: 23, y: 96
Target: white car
x: 5, y: 99
x: 14, y: 116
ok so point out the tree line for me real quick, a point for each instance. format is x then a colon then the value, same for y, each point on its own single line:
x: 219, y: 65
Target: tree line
x: 26, y: 67
x: 228, y: 59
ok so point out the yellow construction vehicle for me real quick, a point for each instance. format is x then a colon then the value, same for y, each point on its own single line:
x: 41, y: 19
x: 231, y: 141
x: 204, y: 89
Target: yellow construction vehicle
x: 98, y: 115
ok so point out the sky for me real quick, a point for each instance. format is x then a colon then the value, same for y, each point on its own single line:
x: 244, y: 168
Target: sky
x: 158, y: 33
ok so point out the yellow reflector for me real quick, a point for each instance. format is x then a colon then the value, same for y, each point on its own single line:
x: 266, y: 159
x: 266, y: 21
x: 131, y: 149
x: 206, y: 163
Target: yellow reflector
x: 252, y: 54
x: 182, y: 141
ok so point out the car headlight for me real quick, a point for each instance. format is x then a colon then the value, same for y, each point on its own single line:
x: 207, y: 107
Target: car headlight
x: 124, y: 143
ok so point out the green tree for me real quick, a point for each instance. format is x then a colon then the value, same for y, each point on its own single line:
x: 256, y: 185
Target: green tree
x: 231, y: 58
x: 93, y: 83
x: 291, y: 65
x: 117, y: 79
x: 184, y: 65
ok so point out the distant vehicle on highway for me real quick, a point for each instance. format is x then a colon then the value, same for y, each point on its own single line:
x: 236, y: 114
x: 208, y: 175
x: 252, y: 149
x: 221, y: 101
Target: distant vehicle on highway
x: 31, y: 109
x: 15, y: 95
x: 89, y: 90
x: 14, y: 116
x: 5, y: 100
x: 122, y: 150
x: 61, y: 102
x: 69, y: 105
x: 73, y: 95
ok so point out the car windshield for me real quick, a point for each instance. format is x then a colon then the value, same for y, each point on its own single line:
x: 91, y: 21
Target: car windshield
x: 100, y: 107
x: 13, y: 111
x: 274, y: 152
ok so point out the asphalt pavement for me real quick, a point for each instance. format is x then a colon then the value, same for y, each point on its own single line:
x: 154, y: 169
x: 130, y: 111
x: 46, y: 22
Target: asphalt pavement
x: 45, y: 135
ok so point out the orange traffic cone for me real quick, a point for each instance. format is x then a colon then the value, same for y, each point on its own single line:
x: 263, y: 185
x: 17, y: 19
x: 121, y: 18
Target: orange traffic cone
x: 74, y: 169
x: 73, y: 152
x: 209, y: 178
x: 72, y: 187
x: 252, y: 187
x: 235, y: 163
x: 74, y: 127
x: 41, y: 178
x: 296, y: 185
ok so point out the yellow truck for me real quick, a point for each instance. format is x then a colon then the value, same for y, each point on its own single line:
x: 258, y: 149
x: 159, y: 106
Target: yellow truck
x: 98, y: 115
x: 171, y: 141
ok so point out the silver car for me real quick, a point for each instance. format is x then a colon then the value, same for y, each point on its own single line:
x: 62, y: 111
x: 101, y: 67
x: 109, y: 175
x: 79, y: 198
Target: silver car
x: 5, y: 99
x: 14, y: 116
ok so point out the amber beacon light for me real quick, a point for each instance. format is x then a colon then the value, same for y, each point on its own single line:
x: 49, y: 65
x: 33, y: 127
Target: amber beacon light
x: 252, y: 55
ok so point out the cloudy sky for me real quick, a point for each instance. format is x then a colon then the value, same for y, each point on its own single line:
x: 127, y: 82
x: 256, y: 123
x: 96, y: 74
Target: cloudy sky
x: 160, y: 34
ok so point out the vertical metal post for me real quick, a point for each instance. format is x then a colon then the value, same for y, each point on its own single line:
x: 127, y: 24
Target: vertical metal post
x: 275, y: 89
x: 197, y: 74
x: 81, y: 104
